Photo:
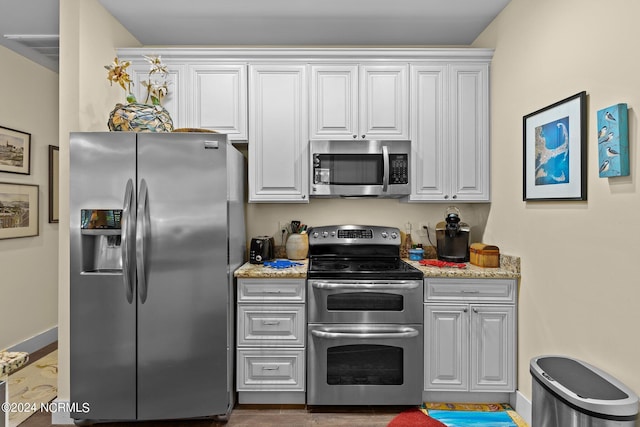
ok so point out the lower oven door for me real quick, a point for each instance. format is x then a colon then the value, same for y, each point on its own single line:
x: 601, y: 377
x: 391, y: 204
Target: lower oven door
x: 365, y: 301
x: 372, y: 364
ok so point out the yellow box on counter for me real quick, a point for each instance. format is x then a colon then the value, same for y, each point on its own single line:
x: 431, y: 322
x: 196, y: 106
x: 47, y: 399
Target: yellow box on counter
x: 484, y: 255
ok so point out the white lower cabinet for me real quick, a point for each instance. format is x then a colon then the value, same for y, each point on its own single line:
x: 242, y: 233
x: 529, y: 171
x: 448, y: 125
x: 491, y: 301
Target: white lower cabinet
x: 270, y: 341
x: 470, y: 335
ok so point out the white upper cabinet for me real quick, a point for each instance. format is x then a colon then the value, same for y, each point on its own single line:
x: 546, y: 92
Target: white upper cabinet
x: 429, y: 129
x: 363, y: 101
x: 278, y: 149
x: 470, y: 132
x: 218, y: 99
x: 450, y: 132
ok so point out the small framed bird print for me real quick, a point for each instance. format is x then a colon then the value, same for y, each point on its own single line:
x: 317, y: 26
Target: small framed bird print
x: 555, y: 151
x: 613, y: 141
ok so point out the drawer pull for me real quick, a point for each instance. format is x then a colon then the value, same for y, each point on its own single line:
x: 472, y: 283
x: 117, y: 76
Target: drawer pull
x: 464, y: 291
x: 270, y: 322
x: 272, y: 291
x: 271, y: 368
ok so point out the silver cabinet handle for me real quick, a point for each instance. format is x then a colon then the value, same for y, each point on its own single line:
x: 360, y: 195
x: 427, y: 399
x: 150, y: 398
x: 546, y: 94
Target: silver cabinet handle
x: 403, y: 285
x: 127, y: 238
x: 268, y: 368
x: 366, y: 333
x: 464, y: 291
x: 143, y: 233
x: 270, y: 322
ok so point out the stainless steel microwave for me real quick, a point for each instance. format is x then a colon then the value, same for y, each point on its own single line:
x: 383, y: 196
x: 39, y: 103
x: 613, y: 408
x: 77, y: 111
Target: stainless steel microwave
x: 360, y: 168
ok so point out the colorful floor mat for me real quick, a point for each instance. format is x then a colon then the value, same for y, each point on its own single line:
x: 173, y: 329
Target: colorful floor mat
x: 473, y: 414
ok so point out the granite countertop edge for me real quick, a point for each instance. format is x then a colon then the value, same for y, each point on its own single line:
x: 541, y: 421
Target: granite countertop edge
x: 509, y: 269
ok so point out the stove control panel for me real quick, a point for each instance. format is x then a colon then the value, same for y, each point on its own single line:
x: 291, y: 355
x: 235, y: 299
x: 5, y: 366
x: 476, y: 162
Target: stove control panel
x: 354, y: 235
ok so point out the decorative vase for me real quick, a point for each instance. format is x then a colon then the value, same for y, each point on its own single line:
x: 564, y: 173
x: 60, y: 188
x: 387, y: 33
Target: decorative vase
x: 297, y: 246
x: 136, y: 117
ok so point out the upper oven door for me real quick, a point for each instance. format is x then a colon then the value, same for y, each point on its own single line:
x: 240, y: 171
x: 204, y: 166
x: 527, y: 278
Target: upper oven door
x: 365, y: 301
x: 360, y: 168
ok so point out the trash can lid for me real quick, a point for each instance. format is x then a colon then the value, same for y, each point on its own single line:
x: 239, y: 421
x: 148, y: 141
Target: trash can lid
x: 579, y: 379
x: 585, y: 387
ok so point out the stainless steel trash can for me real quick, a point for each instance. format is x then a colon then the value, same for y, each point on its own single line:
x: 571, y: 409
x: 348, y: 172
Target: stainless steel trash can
x: 571, y: 393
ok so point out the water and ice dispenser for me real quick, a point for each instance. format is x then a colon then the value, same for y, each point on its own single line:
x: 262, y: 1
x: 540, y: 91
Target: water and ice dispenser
x: 101, y: 240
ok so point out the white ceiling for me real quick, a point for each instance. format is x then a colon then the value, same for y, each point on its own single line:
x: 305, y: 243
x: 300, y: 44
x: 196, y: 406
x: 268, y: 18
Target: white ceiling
x: 261, y: 22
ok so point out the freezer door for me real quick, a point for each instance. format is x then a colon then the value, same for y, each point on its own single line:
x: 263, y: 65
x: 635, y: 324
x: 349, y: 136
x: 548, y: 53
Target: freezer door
x: 102, y: 310
x: 183, y: 284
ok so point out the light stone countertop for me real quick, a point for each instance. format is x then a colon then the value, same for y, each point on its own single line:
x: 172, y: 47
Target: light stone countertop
x: 509, y: 269
x: 258, y: 271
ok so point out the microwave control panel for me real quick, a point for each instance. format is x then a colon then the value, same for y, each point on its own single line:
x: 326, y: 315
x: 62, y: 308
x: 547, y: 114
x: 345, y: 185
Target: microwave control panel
x: 398, y: 169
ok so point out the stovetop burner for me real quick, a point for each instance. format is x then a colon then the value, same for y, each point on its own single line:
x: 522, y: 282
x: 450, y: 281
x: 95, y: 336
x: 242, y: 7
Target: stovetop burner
x: 329, y: 265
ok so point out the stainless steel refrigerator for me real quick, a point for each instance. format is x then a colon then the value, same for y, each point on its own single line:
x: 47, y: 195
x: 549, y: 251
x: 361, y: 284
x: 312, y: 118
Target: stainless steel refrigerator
x: 156, y: 231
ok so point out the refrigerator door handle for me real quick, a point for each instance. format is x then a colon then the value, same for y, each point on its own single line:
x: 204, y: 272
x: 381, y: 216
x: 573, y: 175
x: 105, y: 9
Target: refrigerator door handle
x: 127, y: 236
x: 142, y: 238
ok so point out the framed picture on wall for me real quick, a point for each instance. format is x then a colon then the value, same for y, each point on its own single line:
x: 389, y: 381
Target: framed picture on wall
x: 15, y: 151
x: 18, y: 210
x: 54, y: 195
x: 555, y: 151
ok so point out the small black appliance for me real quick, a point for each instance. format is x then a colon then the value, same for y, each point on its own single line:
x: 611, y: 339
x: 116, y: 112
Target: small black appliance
x: 452, y: 237
x: 261, y: 249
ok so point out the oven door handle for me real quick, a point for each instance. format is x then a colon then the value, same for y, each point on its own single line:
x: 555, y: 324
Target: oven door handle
x: 353, y: 334
x: 402, y: 285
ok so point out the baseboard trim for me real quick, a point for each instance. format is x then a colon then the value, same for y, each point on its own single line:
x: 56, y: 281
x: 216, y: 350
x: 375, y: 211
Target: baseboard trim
x: 62, y: 415
x: 523, y: 407
x: 37, y: 342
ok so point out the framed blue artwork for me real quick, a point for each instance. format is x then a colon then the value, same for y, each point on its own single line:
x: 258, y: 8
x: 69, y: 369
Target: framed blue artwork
x: 555, y: 151
x: 613, y: 141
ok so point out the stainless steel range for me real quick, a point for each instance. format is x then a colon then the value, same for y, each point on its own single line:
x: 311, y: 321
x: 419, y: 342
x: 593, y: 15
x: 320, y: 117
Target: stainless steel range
x: 365, y: 318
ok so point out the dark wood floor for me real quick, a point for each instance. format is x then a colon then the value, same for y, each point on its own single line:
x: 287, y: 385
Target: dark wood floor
x: 256, y: 416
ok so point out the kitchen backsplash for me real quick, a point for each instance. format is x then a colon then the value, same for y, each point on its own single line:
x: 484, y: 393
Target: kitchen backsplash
x: 264, y: 219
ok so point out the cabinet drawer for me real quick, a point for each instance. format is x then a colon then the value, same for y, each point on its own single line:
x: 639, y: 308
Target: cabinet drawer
x: 277, y: 325
x: 276, y: 290
x: 488, y: 290
x: 272, y: 370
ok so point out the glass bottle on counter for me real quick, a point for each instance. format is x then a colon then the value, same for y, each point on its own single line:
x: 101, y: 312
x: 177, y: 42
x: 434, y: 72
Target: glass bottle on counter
x: 408, y: 242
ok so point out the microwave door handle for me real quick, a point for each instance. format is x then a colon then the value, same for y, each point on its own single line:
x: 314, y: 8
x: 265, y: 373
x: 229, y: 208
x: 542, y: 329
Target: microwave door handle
x: 385, y: 168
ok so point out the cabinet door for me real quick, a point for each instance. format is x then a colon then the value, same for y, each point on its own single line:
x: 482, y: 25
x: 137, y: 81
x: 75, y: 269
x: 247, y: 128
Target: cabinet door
x: 278, y: 149
x: 174, y: 102
x: 219, y: 99
x: 429, y: 160
x: 492, y: 348
x: 469, y: 139
x: 384, y: 101
x: 446, y: 344
x: 334, y: 102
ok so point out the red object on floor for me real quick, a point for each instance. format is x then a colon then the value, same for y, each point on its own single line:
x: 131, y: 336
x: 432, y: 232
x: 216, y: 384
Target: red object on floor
x: 414, y: 417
